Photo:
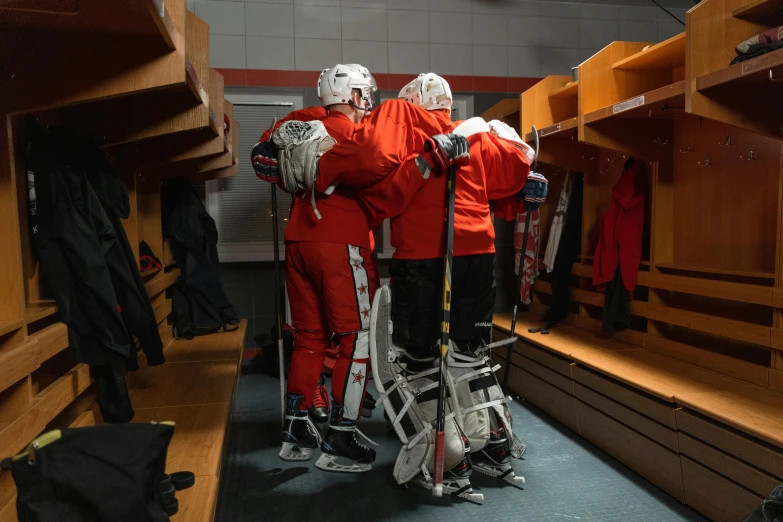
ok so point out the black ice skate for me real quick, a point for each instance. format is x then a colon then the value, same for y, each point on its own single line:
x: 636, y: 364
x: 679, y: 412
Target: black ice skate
x: 300, y: 437
x: 456, y: 482
x: 494, y: 459
x: 319, y: 409
x: 343, y: 449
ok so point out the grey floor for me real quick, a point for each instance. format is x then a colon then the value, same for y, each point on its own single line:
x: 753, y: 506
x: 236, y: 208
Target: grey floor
x: 567, y: 477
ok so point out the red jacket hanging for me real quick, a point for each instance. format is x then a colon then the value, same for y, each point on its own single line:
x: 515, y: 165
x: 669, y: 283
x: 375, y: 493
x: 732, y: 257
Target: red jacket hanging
x: 620, y: 243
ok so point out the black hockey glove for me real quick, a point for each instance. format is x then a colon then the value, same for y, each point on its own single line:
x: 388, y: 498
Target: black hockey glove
x: 264, y: 158
x: 534, y: 191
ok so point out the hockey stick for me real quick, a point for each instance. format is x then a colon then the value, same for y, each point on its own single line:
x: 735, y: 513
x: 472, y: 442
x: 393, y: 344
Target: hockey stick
x: 440, y: 437
x: 522, y: 257
x: 278, y: 312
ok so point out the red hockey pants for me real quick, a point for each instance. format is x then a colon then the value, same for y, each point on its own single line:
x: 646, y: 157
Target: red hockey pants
x: 330, y: 289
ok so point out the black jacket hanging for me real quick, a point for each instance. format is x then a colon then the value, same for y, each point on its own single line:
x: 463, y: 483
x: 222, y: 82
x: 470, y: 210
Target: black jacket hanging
x: 199, y: 301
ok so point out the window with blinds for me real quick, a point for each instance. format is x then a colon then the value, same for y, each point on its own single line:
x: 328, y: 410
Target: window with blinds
x: 242, y: 205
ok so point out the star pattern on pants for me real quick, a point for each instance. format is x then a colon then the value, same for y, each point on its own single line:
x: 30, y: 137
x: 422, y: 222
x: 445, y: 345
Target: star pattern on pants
x: 362, y: 289
x: 356, y: 266
x: 366, y: 312
x: 357, y: 377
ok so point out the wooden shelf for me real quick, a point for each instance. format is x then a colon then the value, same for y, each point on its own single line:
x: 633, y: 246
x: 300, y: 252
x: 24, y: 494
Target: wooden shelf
x: 668, y: 54
x: 553, y: 130
x: 35, y: 312
x: 569, y: 90
x: 713, y: 270
x: 503, y: 109
x: 10, y: 326
x: 765, y: 12
x: 643, y: 105
x: 755, y: 70
x: 139, y: 18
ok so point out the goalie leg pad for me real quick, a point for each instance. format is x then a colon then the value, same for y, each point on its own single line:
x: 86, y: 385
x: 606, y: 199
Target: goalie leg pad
x: 409, y: 392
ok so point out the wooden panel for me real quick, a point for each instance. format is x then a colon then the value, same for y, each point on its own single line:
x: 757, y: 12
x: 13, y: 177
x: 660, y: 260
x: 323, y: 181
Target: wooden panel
x: 647, y: 427
x: 172, y: 384
x: 668, y: 54
x: 545, y: 358
x: 767, y: 12
x: 544, y: 373
x: 673, y: 95
x: 149, y: 213
x: 731, y: 366
x: 502, y: 109
x: 651, y: 460
x: 552, y: 131
x: 10, y: 326
x: 47, y: 405
x: 738, y: 330
x: 756, y: 453
x: 51, y: 340
x: 632, y: 337
x: 161, y: 282
x: 748, y: 408
x: 198, y: 437
x: 36, y: 312
x: 105, y: 68
x: 649, y: 406
x: 11, y: 286
x: 747, y: 476
x: 198, y: 503
x: 540, y: 110
x: 722, y: 290
x: 17, y: 362
x: 549, y: 398
x: 569, y: 90
x: 720, y: 499
x: 776, y: 381
x: 163, y: 311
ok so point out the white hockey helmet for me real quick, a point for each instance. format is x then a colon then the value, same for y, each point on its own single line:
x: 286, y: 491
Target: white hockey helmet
x: 428, y: 91
x: 336, y: 85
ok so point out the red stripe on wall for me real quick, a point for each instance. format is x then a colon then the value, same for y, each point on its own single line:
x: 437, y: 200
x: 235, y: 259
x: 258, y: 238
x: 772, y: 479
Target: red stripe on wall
x: 394, y: 82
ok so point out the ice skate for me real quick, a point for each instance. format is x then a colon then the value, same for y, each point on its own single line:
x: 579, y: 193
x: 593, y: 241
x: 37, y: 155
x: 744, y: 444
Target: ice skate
x: 456, y: 482
x: 300, y: 437
x: 319, y: 409
x: 494, y: 459
x: 343, y: 449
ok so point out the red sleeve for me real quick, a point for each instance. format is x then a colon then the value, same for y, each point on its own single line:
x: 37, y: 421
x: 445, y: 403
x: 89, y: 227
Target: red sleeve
x: 507, y: 208
x: 506, y: 167
x: 391, y: 196
x: 392, y: 134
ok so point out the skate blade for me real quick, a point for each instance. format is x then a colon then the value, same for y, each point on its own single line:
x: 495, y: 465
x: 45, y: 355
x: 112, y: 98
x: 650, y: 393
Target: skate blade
x: 293, y: 453
x: 328, y: 462
x: 514, y: 480
x: 476, y: 498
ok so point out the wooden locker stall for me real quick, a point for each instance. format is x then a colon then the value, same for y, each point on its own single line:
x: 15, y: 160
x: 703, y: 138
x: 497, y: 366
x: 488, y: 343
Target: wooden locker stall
x: 134, y: 75
x: 690, y: 396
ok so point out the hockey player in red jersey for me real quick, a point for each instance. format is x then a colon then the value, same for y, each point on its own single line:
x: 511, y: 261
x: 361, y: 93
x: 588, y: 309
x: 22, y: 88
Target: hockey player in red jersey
x: 330, y: 276
x: 391, y: 159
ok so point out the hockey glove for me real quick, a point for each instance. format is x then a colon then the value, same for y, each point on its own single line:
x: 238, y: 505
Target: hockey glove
x: 264, y: 158
x: 448, y: 149
x: 534, y: 191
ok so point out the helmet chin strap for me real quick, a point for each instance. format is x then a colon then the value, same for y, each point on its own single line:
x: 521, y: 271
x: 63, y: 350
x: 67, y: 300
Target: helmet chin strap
x: 368, y: 109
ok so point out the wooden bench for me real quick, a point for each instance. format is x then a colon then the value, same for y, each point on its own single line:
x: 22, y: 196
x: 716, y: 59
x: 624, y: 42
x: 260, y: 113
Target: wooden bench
x: 195, y: 389
x: 712, y: 441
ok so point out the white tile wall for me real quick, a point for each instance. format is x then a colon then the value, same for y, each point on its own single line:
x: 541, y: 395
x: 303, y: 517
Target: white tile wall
x: 490, y: 60
x: 409, y: 26
x: 524, y: 31
x: 519, y: 38
x: 227, y: 51
x: 451, y: 59
x: 450, y: 27
x: 315, y: 55
x: 270, y: 52
x: 269, y: 19
x: 489, y: 29
x: 411, y: 58
x: 365, y: 24
x: 222, y: 17
x: 524, y: 62
x: 373, y: 55
x: 633, y: 31
x: 317, y: 22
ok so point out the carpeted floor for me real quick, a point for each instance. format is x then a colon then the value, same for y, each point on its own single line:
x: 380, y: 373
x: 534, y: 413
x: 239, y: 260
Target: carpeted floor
x: 567, y: 477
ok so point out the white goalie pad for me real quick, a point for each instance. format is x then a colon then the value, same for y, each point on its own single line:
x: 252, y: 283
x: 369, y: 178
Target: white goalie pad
x: 471, y: 126
x: 505, y: 131
x: 409, y: 392
x: 300, y: 149
x: 481, y: 405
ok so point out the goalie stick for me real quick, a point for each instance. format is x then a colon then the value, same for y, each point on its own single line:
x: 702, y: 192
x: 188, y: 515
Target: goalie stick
x: 522, y: 257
